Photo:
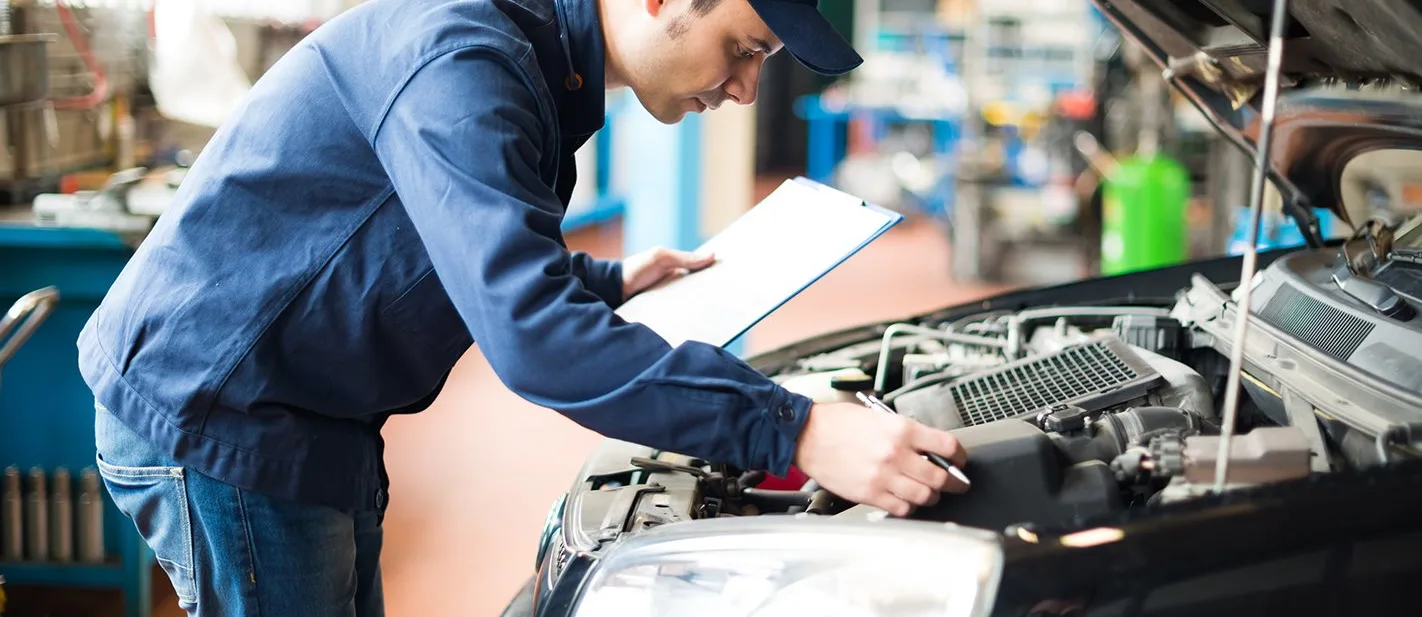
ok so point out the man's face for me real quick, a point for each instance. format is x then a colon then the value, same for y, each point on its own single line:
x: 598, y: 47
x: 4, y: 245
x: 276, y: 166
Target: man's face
x: 677, y: 61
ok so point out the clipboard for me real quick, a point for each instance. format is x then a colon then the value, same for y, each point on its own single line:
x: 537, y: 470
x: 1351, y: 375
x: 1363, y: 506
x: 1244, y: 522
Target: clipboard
x: 767, y: 256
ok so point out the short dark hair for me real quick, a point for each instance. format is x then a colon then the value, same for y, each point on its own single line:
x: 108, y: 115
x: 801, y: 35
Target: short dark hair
x: 698, y: 8
x: 702, y: 7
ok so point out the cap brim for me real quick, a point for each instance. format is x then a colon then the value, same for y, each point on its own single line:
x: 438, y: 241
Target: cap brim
x: 808, y: 36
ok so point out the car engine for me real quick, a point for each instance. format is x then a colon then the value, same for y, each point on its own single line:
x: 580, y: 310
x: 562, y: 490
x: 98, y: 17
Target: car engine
x: 1073, y: 412
x: 1065, y: 412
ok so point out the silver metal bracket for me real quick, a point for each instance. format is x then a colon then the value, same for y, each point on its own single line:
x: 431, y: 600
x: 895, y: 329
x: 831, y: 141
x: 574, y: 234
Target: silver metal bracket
x: 619, y: 513
x: 1301, y: 415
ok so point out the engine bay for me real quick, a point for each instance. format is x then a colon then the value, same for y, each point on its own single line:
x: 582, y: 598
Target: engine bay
x: 1066, y: 413
x: 1071, y: 412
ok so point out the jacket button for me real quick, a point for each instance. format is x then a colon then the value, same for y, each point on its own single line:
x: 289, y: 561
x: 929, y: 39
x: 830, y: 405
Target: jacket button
x: 786, y: 413
x: 380, y: 499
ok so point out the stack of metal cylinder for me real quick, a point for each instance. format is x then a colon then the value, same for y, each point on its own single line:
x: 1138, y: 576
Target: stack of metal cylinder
x: 41, y: 519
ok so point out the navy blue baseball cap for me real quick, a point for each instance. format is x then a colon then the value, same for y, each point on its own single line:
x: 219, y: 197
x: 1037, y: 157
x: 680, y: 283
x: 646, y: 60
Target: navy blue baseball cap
x: 808, y: 36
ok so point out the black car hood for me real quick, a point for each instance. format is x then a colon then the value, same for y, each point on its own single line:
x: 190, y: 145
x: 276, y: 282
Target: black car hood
x: 1335, y: 51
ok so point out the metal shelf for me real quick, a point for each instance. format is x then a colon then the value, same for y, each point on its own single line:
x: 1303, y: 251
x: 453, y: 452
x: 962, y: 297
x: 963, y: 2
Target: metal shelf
x: 109, y: 574
x: 46, y: 409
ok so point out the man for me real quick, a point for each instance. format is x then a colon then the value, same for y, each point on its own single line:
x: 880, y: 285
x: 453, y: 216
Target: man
x: 391, y: 192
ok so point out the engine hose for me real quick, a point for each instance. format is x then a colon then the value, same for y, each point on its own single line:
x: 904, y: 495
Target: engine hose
x: 1114, y: 433
x: 752, y: 478
x: 777, y: 500
x: 1138, y: 424
x: 920, y: 383
x: 885, y: 346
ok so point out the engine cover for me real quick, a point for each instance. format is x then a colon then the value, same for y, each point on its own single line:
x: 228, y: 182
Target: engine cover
x: 1019, y: 472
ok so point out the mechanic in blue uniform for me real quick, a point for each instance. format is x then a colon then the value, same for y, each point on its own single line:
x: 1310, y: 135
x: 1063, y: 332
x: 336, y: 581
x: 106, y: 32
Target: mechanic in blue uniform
x: 391, y: 192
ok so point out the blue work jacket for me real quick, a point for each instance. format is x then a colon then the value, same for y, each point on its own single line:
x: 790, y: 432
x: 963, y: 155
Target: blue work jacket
x: 390, y: 192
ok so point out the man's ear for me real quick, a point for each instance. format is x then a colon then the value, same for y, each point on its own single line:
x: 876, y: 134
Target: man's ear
x: 654, y: 7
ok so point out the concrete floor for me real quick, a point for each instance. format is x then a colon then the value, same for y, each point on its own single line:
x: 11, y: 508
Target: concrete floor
x: 473, y: 477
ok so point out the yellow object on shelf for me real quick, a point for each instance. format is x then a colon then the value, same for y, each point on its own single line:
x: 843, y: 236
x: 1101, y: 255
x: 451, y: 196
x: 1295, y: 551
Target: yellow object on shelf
x: 1005, y: 113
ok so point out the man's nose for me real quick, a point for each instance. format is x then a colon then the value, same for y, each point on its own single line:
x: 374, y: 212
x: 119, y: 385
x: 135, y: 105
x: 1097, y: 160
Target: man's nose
x: 742, y: 85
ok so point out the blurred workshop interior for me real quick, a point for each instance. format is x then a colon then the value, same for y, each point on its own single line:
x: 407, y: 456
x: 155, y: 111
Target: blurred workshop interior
x: 1003, y: 131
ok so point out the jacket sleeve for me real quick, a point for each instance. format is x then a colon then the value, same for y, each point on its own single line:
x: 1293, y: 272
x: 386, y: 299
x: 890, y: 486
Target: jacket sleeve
x: 463, y: 143
x: 601, y: 276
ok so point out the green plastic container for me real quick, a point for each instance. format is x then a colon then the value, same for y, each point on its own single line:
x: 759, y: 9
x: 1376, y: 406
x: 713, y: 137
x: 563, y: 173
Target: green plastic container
x: 1144, y: 218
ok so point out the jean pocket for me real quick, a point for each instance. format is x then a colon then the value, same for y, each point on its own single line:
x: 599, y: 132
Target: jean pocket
x: 156, y: 500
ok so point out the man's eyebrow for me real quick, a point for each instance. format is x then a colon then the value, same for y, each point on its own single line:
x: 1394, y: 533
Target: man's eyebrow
x: 760, y: 45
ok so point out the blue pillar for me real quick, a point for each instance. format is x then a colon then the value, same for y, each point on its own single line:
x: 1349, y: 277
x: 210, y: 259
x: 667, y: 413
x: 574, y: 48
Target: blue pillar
x: 663, y: 192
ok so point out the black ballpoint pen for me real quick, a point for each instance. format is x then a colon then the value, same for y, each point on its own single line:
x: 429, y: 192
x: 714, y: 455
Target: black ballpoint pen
x: 874, y: 403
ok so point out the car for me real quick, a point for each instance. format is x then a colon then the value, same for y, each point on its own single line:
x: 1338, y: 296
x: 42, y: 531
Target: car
x: 1151, y: 443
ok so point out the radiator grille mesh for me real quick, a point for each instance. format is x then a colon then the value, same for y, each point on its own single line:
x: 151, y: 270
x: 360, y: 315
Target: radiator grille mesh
x: 1332, y: 331
x: 1075, y: 375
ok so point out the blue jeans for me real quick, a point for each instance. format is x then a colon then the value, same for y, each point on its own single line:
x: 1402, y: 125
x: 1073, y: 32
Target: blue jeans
x: 236, y: 553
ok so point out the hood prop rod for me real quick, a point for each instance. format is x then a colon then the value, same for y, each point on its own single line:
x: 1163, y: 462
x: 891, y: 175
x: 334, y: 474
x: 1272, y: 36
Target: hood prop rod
x: 1251, y: 254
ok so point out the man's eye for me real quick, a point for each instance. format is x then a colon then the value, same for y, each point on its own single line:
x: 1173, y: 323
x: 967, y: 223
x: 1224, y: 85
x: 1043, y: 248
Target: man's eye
x: 743, y: 52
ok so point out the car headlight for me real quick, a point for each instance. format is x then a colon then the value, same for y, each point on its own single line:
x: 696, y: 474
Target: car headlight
x: 785, y: 568
x: 550, y: 529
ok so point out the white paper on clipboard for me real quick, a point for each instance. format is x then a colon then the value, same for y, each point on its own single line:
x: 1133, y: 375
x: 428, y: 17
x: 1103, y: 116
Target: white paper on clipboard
x: 771, y: 253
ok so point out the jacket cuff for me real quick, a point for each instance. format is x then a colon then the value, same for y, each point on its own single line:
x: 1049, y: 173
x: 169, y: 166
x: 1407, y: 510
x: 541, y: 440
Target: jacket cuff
x: 612, y: 278
x: 602, y: 277
x: 785, y: 416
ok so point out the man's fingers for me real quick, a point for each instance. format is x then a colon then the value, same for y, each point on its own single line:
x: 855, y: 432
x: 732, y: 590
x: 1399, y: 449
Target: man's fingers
x: 943, y: 443
x: 956, y: 482
x: 923, y: 470
x: 895, y: 506
x: 670, y: 260
x: 913, y: 491
x: 701, y: 262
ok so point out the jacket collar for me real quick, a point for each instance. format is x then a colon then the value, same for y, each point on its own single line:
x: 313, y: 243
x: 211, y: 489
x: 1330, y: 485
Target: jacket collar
x: 580, y: 83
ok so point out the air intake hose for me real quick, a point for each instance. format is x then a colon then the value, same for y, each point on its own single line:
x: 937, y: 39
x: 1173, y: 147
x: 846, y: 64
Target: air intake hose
x: 1109, y: 435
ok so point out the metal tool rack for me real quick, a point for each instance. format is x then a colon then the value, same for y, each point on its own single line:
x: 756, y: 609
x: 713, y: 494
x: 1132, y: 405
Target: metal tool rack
x: 46, y: 410
x: 859, y: 113
x: 1019, y: 55
x: 828, y: 125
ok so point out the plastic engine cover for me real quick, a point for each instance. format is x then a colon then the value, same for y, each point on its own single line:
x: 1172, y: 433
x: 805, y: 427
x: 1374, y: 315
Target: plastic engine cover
x: 1020, y: 476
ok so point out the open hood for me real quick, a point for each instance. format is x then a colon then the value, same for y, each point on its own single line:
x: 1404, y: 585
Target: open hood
x: 1348, y: 84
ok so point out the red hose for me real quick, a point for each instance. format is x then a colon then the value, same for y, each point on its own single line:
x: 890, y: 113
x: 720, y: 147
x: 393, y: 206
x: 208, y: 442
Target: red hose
x: 81, y: 45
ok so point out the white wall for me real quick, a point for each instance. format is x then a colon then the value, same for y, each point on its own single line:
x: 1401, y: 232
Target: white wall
x: 290, y: 11
x: 727, y: 166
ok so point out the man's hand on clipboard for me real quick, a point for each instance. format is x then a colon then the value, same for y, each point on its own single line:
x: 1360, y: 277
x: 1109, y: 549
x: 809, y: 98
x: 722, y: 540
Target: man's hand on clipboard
x: 787, y: 242
x: 649, y: 268
x: 876, y: 459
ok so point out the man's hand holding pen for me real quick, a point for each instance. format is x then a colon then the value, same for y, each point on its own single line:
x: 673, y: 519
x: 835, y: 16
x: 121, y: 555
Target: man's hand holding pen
x: 865, y: 455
